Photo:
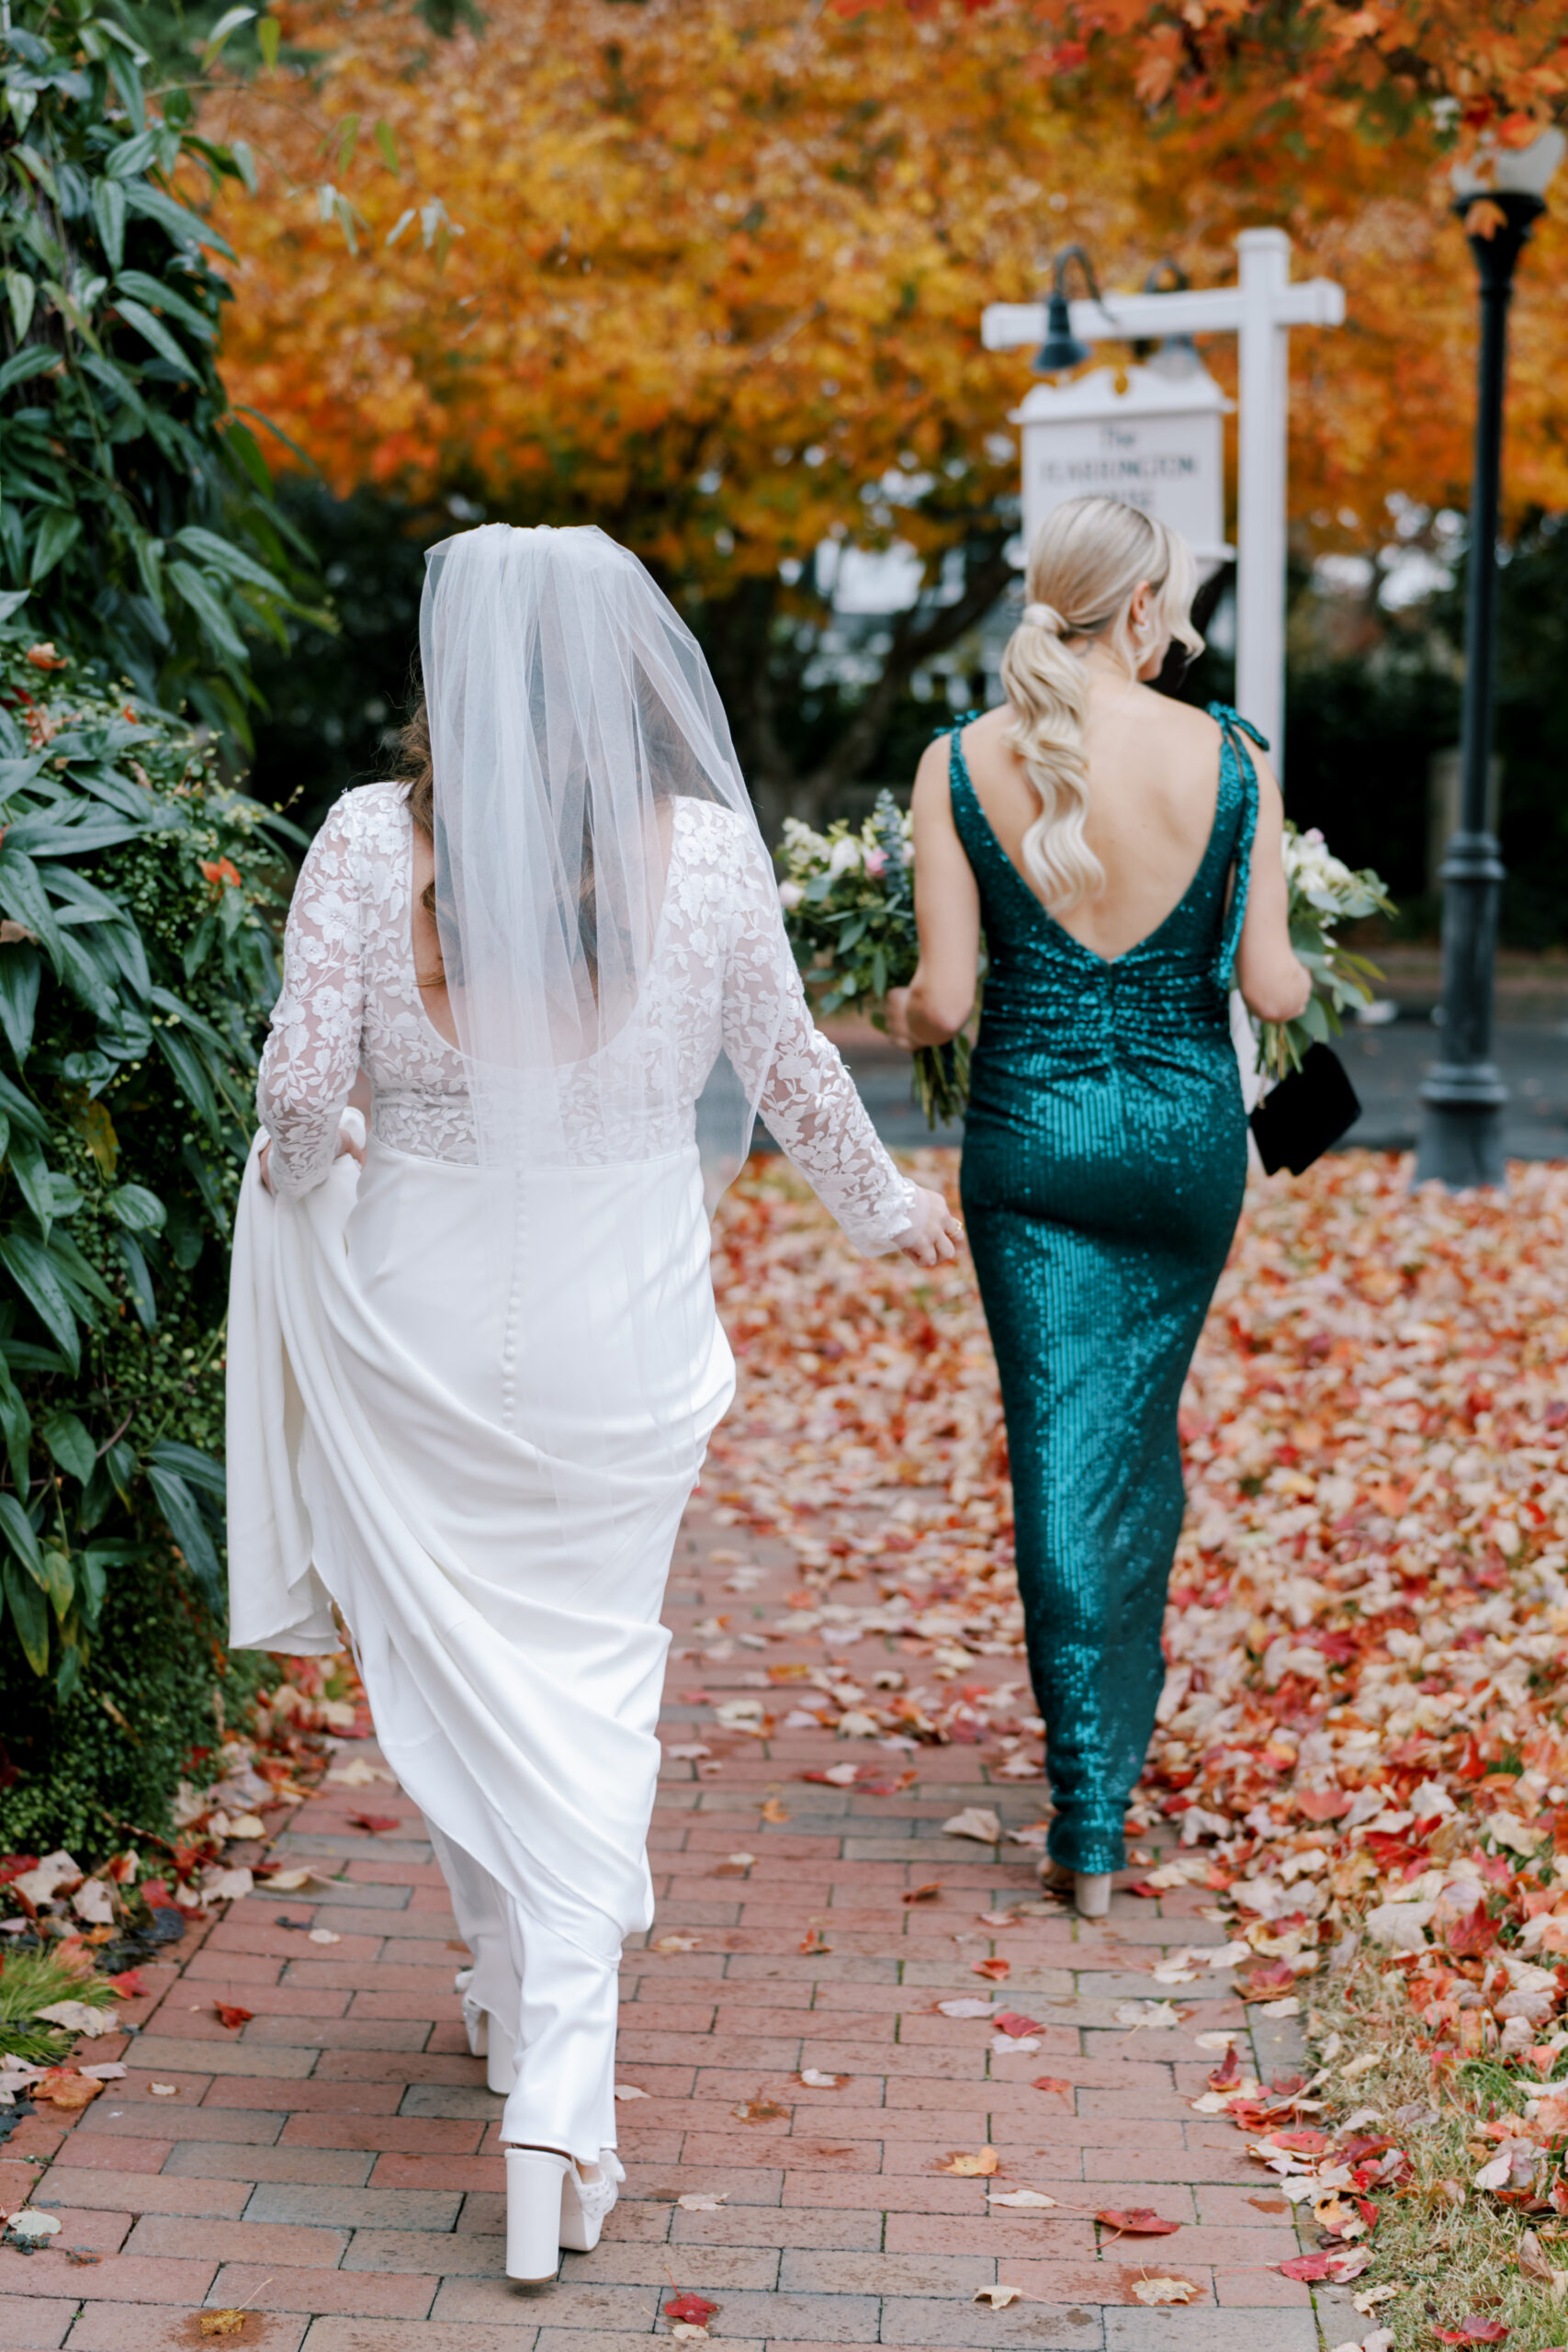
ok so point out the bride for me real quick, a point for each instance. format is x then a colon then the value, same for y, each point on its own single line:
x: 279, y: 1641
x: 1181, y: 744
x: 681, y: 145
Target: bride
x: 474, y: 1360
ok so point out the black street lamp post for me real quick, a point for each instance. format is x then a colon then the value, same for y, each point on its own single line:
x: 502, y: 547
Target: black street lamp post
x: 1461, y: 1132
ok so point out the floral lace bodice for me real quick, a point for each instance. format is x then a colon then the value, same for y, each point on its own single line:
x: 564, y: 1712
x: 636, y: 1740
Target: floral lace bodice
x: 722, y: 978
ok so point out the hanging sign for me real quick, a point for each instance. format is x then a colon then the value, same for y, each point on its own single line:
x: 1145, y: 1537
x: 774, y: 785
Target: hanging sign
x: 1152, y: 436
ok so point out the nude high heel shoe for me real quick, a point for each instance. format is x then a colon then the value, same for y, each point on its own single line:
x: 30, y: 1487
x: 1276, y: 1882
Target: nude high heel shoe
x: 536, y: 2195
x: 1091, y: 1894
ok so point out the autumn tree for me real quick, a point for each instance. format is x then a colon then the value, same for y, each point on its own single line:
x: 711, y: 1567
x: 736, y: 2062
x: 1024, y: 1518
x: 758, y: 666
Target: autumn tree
x: 711, y: 274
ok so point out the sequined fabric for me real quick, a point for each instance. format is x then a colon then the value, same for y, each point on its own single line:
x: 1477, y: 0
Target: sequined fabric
x: 1104, y: 1159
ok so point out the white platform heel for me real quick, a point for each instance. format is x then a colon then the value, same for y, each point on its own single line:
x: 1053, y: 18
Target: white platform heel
x: 1091, y: 1894
x: 535, y: 2201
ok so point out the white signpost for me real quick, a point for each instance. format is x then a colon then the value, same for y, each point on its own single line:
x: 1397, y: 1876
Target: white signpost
x: 1171, y: 467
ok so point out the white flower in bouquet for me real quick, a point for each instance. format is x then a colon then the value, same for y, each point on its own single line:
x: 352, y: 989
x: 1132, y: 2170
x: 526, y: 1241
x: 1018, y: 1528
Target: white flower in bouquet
x: 848, y: 910
x: 1324, y: 892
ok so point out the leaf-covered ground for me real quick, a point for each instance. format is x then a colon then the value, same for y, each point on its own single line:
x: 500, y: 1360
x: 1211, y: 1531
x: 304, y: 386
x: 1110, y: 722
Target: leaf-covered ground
x: 1360, y: 1740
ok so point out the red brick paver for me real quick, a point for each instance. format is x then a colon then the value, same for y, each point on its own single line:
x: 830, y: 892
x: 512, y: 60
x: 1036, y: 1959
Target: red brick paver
x: 333, y: 2168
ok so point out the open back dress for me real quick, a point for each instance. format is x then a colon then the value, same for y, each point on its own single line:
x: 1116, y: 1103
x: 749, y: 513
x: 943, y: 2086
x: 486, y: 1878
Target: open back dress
x: 1104, y: 1162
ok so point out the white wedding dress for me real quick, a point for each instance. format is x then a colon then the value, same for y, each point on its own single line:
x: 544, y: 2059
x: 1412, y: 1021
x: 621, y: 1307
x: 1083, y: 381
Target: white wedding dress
x: 467, y: 1403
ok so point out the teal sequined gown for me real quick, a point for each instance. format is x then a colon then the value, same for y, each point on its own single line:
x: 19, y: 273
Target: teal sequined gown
x: 1104, y: 1162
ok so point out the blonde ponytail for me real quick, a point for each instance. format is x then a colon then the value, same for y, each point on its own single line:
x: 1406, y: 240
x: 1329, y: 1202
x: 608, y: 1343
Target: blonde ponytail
x: 1086, y: 559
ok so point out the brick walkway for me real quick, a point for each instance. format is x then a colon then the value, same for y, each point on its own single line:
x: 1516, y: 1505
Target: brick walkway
x: 332, y: 2166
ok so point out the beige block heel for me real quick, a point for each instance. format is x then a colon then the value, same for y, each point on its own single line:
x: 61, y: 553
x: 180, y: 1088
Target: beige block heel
x: 536, y: 2195
x: 1091, y: 1894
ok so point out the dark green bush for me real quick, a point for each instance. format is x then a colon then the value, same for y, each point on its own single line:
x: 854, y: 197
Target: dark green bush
x: 138, y: 897
x: 133, y: 1728
x: 138, y: 523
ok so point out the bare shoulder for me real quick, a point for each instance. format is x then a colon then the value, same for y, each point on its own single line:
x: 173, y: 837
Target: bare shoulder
x: 1180, y: 722
x: 931, y: 776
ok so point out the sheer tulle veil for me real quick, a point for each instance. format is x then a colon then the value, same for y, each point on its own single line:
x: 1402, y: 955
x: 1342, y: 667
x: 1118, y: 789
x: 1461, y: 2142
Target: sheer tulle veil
x: 570, y: 708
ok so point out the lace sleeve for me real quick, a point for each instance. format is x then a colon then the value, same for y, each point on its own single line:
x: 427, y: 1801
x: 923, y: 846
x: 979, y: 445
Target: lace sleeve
x: 797, y: 1077
x: 311, y: 1056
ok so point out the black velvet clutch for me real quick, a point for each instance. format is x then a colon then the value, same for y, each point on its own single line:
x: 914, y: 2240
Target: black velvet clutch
x: 1307, y: 1113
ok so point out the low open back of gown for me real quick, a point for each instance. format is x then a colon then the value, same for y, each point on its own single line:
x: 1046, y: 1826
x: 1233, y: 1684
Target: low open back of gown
x: 469, y: 1403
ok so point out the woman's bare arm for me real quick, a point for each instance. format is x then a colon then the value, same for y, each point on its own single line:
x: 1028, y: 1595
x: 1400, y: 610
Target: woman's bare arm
x: 940, y: 998
x: 1273, y: 984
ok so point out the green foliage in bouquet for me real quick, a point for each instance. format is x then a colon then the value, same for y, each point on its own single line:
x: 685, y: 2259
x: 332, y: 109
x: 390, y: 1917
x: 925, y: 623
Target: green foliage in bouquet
x: 138, y: 521
x: 139, y: 899
x: 849, y: 902
x: 1323, y: 893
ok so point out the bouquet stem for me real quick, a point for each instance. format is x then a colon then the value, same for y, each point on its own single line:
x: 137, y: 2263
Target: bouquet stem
x: 941, y: 1079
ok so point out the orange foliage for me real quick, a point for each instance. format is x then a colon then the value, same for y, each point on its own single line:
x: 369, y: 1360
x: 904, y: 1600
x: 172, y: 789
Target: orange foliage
x: 712, y: 272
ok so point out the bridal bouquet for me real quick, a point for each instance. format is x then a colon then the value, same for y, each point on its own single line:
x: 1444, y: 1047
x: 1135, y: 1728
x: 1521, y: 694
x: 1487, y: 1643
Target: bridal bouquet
x: 1323, y: 893
x: 849, y: 904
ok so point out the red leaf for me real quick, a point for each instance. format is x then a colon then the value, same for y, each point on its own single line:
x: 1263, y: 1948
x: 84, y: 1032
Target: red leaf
x: 1302, y: 2143
x: 927, y: 1893
x: 1474, y: 2330
x: 997, y: 1969
x: 1274, y: 1976
x: 375, y: 1822
x: 1228, y: 2072
x: 813, y: 1943
x: 1137, y: 2221
x: 1051, y: 2083
x: 1011, y: 2021
x: 693, y: 2309
x: 129, y: 1984
x: 232, y: 2017
x: 156, y: 1896
x: 1308, y: 2267
x: 1324, y: 1804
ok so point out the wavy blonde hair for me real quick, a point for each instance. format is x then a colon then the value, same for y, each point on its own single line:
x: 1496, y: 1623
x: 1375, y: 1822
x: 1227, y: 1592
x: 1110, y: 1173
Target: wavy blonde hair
x: 1087, y: 559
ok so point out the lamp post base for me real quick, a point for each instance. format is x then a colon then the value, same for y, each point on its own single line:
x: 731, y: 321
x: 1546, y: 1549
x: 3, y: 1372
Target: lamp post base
x: 1462, y: 1130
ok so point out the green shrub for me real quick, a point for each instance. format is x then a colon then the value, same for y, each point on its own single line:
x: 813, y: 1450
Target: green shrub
x: 135, y: 1725
x: 138, y: 523
x: 139, y: 898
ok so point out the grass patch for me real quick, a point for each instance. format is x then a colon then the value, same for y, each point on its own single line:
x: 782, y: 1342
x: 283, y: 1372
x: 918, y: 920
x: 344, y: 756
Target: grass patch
x: 1449, y: 2249
x: 34, y: 1980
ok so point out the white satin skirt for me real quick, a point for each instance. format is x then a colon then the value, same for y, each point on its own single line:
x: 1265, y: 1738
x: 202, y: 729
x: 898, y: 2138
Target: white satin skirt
x: 469, y: 1407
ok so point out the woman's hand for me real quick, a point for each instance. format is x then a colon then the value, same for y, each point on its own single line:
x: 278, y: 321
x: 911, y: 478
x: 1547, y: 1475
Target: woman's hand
x: 344, y: 1143
x: 896, y: 1012
x: 932, y: 1228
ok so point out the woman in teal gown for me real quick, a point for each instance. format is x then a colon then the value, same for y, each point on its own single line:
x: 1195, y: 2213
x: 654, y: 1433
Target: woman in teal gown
x: 1123, y: 854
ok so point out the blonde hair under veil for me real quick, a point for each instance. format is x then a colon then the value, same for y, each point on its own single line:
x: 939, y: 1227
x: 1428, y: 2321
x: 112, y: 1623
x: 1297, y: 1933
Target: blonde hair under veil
x: 1087, y: 559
